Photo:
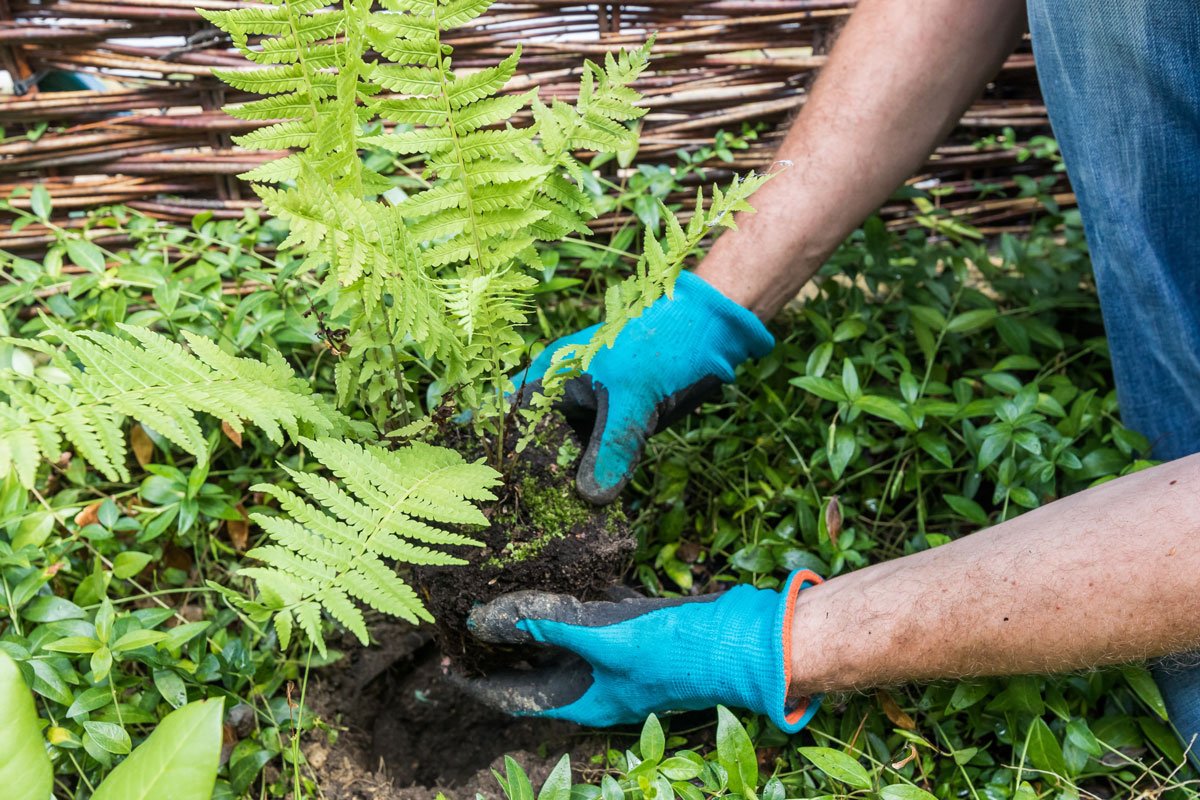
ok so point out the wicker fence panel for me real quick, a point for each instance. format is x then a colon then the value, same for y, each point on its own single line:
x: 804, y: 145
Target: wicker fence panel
x: 155, y: 137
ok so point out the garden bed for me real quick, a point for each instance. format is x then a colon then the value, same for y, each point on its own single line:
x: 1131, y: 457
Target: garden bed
x: 407, y: 732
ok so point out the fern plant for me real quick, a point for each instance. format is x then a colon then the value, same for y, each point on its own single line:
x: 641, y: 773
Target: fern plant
x: 388, y: 505
x: 149, y: 378
x: 437, y: 274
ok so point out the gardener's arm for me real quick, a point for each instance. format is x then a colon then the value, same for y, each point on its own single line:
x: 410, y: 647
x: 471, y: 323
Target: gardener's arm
x: 897, y: 81
x: 1105, y: 576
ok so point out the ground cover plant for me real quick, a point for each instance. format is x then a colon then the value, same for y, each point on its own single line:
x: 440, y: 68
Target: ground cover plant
x: 941, y: 384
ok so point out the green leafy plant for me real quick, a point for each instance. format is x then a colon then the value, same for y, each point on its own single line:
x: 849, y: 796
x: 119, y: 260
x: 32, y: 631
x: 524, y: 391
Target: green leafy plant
x: 179, y: 759
x: 434, y: 270
x: 439, y: 274
x: 438, y: 271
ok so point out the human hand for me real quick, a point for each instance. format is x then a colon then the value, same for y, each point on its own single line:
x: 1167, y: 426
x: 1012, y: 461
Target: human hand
x: 661, y: 366
x: 619, y: 662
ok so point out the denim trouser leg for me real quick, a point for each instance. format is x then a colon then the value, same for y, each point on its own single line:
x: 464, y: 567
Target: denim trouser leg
x: 1121, y: 79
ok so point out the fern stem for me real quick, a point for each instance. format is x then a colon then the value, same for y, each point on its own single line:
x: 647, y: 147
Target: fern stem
x: 458, y: 154
x: 305, y: 70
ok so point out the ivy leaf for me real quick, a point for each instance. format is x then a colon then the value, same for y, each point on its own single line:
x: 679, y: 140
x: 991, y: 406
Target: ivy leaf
x: 40, y: 203
x: 135, y: 639
x: 937, y: 447
x: 966, y: 508
x: 838, y: 766
x: 1044, y: 750
x: 1144, y: 687
x: 991, y: 449
x: 821, y: 387
x: 840, y: 449
x: 930, y: 316
x: 171, y: 687
x: 902, y: 791
x: 972, y: 321
x: 558, y: 784
x: 517, y: 787
x: 109, y: 736
x: 85, y: 254
x: 130, y: 563
x: 850, y: 380
x: 886, y: 408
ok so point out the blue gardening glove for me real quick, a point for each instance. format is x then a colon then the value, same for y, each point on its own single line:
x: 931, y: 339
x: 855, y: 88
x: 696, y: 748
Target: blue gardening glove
x: 618, y: 662
x: 661, y: 366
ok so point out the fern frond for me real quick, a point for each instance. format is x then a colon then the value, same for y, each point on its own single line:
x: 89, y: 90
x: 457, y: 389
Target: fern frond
x: 279, y: 170
x: 149, y: 378
x: 475, y: 86
x: 295, y: 105
x: 330, y: 547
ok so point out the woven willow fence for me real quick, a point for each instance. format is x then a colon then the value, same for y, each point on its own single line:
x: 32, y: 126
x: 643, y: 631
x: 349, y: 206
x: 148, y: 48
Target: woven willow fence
x: 155, y: 139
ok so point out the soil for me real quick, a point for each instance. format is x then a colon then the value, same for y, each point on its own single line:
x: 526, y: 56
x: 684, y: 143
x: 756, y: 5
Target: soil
x: 405, y: 732
x: 542, y: 536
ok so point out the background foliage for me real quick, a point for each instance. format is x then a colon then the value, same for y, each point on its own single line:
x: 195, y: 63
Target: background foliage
x: 934, y: 384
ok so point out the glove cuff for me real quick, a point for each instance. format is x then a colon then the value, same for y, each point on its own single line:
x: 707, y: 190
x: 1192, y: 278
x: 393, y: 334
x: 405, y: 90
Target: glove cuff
x: 789, y: 719
x: 732, y: 331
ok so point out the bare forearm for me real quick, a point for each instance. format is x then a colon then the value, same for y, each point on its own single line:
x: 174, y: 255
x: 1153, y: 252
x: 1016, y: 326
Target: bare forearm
x: 1105, y: 576
x: 897, y: 80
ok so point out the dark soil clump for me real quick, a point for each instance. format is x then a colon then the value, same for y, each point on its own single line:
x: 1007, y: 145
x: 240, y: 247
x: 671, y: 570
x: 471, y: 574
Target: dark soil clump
x: 542, y: 536
x: 407, y: 732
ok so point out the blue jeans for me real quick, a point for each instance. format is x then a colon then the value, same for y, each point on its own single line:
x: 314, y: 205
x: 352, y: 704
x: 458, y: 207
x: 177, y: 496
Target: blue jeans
x: 1121, y: 80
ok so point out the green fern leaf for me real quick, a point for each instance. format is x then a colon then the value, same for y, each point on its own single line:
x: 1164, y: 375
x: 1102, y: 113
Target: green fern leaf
x: 153, y: 380
x: 330, y: 547
x: 484, y: 83
x: 295, y: 133
x: 267, y: 80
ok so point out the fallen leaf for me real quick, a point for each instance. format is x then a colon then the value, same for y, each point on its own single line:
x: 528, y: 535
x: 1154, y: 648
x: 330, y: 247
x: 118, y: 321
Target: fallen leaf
x: 894, y: 712
x: 90, y: 515
x: 239, y: 530
x: 912, y: 756
x: 833, y: 519
x: 229, y: 740
x: 141, y: 444
x: 232, y: 433
x: 176, y: 557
